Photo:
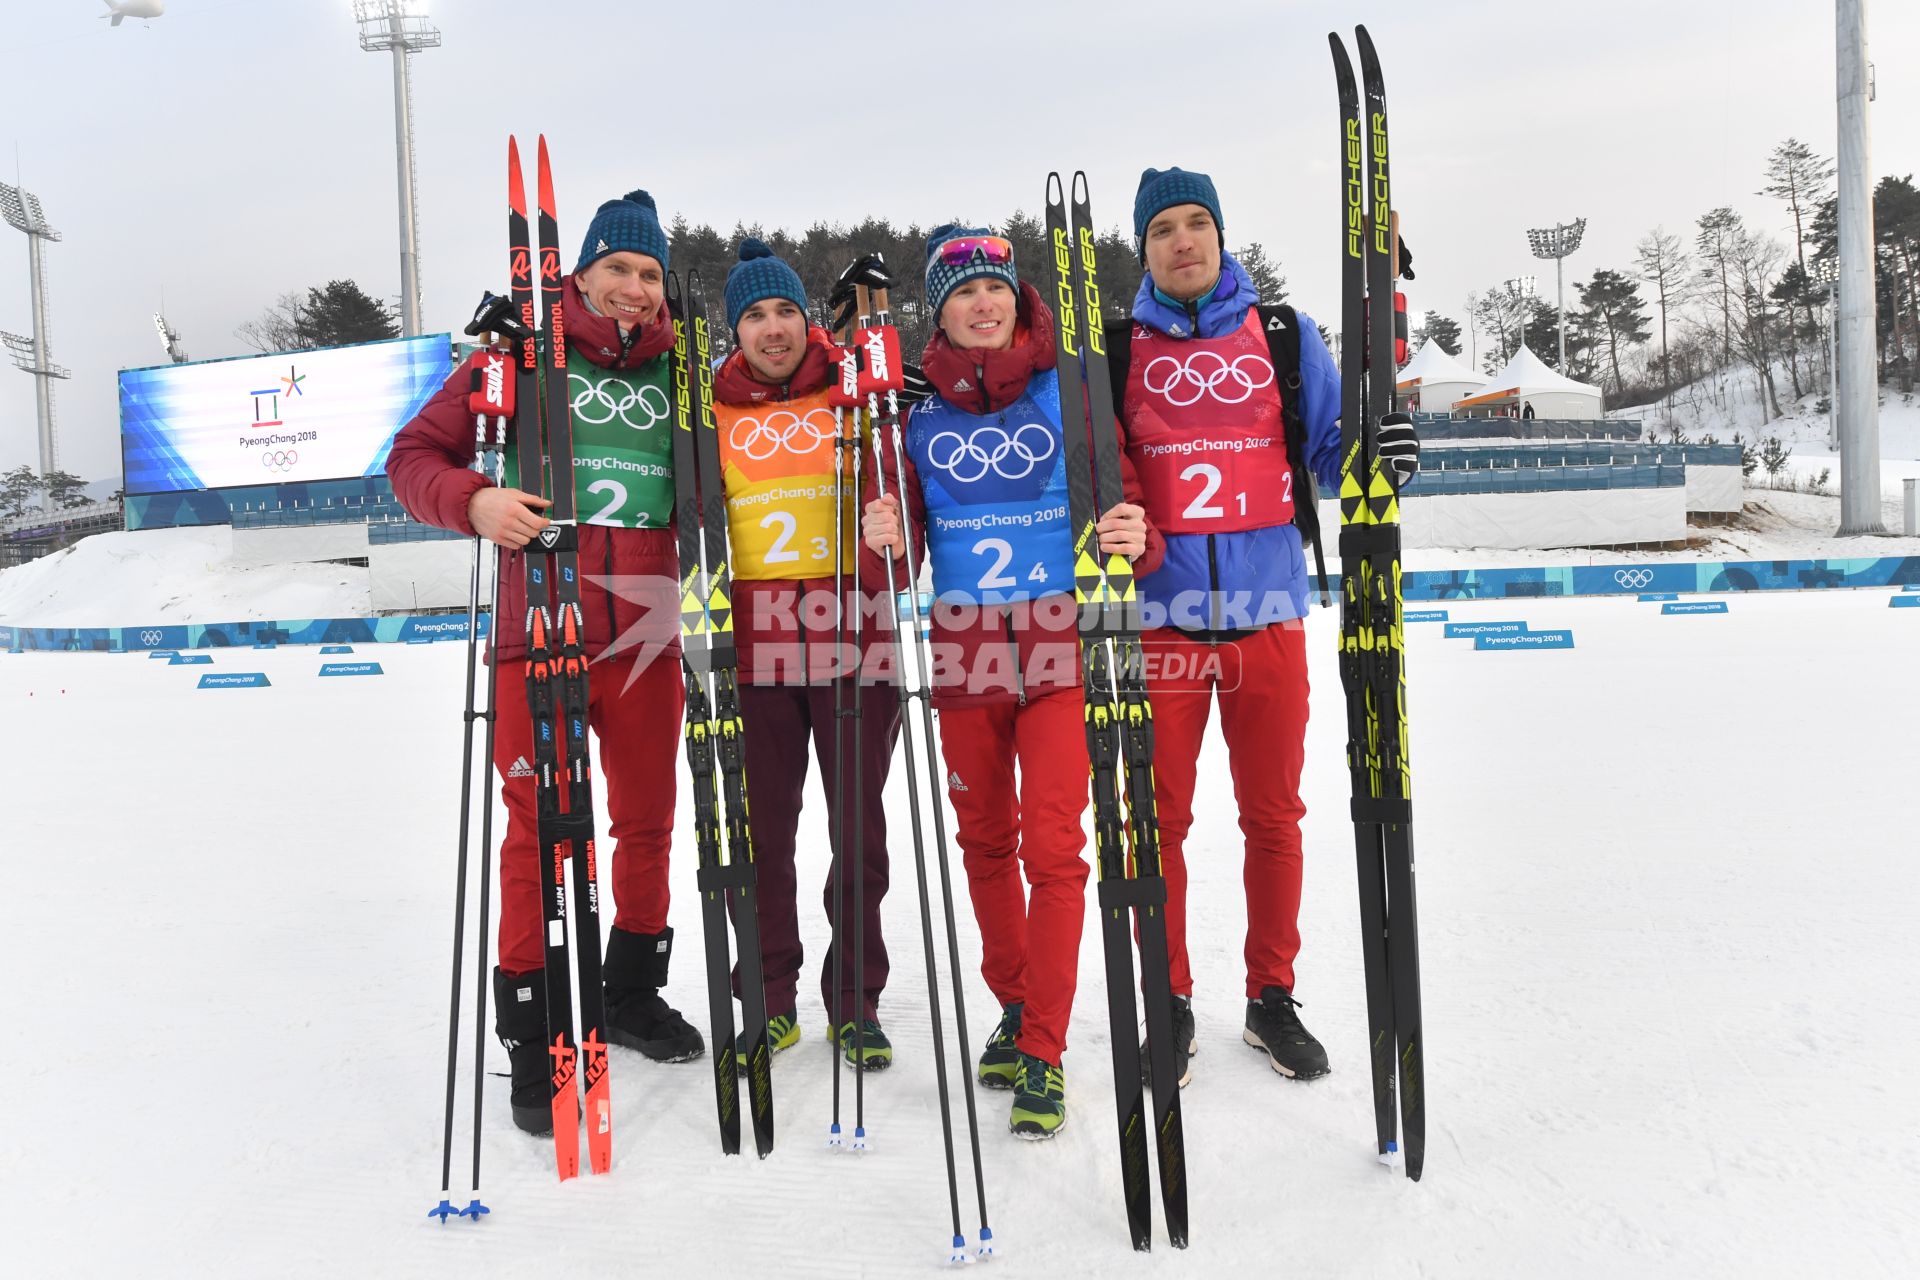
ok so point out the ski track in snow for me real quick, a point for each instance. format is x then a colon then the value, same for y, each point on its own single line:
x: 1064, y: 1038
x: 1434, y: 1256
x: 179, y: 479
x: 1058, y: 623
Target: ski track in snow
x: 1666, y: 901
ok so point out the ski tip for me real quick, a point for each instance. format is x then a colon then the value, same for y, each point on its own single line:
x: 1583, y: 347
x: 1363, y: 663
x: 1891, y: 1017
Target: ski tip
x: 957, y: 1251
x: 986, y: 1243
x: 1056, y: 189
x: 1080, y: 186
x: 546, y: 179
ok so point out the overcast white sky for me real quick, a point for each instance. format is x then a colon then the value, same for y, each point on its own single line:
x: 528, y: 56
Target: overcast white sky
x: 236, y: 149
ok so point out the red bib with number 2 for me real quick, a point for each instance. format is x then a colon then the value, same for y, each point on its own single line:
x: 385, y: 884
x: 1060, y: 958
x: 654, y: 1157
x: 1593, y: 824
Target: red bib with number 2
x: 1204, y: 431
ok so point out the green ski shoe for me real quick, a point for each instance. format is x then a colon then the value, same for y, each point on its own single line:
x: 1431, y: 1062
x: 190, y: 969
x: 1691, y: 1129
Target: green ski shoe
x: 876, y: 1051
x: 999, y: 1059
x: 783, y: 1032
x: 1039, y: 1099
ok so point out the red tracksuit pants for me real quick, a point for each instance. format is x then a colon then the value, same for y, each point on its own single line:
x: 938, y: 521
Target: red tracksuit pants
x: 637, y: 720
x: 1029, y: 932
x: 1261, y: 682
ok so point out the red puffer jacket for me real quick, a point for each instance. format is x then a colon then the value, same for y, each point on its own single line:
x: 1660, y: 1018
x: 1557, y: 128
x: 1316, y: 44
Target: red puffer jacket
x: 628, y: 576
x: 1000, y: 653
x: 784, y: 628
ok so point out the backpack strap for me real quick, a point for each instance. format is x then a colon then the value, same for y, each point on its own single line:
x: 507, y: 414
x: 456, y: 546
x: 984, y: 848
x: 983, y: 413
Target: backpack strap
x: 1282, y: 326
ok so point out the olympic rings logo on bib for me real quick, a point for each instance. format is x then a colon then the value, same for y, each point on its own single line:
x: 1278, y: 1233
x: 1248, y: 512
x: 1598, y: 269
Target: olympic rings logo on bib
x: 761, y: 438
x: 596, y: 404
x: 1009, y: 455
x: 1203, y: 374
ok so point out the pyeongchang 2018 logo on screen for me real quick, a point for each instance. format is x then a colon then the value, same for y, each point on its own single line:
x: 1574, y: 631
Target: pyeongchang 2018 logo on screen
x: 326, y: 414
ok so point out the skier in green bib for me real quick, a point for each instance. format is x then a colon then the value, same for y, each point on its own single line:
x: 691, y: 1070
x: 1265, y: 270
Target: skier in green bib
x: 618, y: 336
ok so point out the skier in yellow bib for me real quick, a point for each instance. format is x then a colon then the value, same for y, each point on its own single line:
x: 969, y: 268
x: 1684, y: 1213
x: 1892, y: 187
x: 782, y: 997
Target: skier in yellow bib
x: 778, y: 460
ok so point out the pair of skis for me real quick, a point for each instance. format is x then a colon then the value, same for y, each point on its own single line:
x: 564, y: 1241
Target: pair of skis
x: 557, y: 685
x: 1372, y: 648
x: 714, y: 730
x: 1132, y: 890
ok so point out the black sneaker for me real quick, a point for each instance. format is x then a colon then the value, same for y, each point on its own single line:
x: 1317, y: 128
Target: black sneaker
x: 634, y: 971
x: 1184, y: 1045
x: 1274, y: 1028
x: 999, y: 1060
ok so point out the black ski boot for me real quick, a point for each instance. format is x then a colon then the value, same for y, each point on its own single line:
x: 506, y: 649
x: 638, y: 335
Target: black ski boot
x: 520, y: 1020
x: 1184, y: 1045
x: 634, y: 972
x: 1274, y: 1028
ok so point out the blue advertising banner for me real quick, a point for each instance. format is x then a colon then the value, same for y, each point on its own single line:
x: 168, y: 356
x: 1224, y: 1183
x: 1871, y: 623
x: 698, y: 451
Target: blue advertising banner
x: 1696, y: 606
x: 1652, y: 596
x: 351, y: 669
x: 1424, y: 615
x: 1461, y: 630
x: 1531, y: 640
x: 222, y: 635
x: 235, y: 680
x: 1687, y: 577
x: 1905, y: 602
x: 326, y: 649
x: 190, y: 660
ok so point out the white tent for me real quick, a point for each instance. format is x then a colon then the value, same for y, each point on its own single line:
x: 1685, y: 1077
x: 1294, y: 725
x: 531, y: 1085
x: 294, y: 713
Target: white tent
x: 1527, y: 381
x: 1437, y: 379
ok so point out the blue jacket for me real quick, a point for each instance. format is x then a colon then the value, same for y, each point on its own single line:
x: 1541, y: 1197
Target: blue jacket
x: 1250, y: 579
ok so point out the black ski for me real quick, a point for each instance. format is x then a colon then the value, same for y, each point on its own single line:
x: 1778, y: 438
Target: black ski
x: 1372, y: 664
x: 740, y: 879
x: 1119, y: 733
x: 713, y: 729
x: 557, y: 688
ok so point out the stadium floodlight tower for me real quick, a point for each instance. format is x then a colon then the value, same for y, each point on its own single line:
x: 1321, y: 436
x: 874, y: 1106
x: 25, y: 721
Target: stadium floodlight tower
x: 1856, y: 404
x: 1558, y: 242
x: 21, y: 209
x: 401, y: 26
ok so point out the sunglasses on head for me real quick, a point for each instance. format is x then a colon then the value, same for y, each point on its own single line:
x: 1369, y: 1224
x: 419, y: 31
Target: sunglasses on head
x: 994, y: 251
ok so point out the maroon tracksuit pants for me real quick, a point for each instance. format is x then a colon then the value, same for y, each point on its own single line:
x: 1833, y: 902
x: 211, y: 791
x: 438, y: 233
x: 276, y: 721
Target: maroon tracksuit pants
x: 781, y: 722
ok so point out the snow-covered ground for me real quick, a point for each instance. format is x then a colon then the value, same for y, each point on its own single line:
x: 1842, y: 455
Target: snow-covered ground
x: 172, y: 575
x: 1667, y: 893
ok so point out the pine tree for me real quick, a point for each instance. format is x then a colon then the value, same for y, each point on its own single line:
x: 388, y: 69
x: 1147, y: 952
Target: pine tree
x: 1436, y: 328
x: 340, y: 313
x: 1264, y: 272
x: 1618, y: 316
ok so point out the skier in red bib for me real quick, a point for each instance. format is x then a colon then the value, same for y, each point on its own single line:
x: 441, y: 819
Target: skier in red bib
x: 1203, y: 382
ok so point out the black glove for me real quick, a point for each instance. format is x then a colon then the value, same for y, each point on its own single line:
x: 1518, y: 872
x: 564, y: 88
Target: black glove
x: 1398, y: 448
x: 869, y: 269
x: 1406, y: 260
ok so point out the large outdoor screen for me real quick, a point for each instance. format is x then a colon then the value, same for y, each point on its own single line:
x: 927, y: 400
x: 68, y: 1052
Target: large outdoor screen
x: 329, y: 414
